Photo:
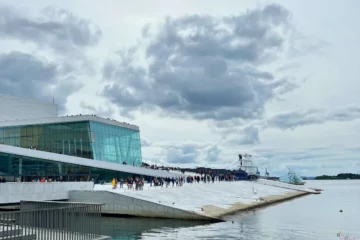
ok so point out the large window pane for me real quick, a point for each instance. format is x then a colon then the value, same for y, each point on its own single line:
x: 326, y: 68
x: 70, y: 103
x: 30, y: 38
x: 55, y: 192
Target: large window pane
x: 7, y: 132
x: 29, y: 131
x: 22, y: 131
x: 115, y: 144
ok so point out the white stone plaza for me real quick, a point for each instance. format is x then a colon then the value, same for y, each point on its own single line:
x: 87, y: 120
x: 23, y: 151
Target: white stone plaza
x: 191, y: 200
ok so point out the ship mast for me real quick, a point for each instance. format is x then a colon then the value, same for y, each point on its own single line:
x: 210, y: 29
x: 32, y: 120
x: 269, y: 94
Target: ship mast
x: 266, y: 173
x: 245, y: 164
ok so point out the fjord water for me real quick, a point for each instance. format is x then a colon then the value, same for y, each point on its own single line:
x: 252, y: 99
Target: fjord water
x: 310, y: 217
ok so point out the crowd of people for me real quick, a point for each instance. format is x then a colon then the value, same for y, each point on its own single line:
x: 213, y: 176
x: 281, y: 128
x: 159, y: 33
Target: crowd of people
x: 155, y: 167
x: 137, y: 183
x: 159, y: 182
x: 179, y: 181
x: 223, y: 174
x: 210, y: 178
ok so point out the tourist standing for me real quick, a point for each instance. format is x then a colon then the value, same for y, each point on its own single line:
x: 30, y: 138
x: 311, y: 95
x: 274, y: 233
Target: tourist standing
x: 113, y: 183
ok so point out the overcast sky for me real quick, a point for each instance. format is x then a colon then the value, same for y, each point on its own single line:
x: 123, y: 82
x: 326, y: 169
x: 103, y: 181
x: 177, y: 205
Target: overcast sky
x: 204, y: 80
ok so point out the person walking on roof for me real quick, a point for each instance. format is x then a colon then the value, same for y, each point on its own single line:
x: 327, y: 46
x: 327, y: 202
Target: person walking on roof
x: 113, y: 183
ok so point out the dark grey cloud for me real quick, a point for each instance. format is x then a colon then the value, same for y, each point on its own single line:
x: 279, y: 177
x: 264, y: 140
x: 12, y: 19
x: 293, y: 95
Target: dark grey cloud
x: 204, y: 67
x: 60, y: 31
x: 24, y: 75
x: 55, y: 28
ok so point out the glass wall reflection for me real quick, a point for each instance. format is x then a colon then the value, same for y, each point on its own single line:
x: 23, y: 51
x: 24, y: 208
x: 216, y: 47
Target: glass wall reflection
x: 116, y: 144
x: 63, y: 138
x: 86, y: 139
x: 28, y: 169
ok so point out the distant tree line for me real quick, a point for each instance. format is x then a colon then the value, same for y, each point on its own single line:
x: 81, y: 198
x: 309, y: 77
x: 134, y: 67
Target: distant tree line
x: 339, y: 176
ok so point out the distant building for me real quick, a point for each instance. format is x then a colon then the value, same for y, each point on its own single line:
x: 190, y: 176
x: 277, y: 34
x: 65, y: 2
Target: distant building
x: 33, y: 125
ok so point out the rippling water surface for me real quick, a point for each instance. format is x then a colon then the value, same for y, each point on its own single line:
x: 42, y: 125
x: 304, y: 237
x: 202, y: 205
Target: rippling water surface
x: 311, y: 217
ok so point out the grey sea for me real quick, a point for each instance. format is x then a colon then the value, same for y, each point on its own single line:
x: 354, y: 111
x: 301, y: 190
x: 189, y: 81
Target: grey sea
x: 310, y: 217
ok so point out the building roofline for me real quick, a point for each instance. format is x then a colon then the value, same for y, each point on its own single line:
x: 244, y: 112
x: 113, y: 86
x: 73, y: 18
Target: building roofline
x: 30, y: 100
x: 67, y: 119
x: 84, y: 162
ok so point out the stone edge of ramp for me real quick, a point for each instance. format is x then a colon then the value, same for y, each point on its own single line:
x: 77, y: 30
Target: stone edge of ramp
x: 118, y: 204
x: 218, y: 212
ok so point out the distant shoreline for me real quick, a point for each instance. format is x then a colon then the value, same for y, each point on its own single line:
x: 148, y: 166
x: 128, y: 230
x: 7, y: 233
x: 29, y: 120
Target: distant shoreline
x: 333, y: 179
x: 340, y: 176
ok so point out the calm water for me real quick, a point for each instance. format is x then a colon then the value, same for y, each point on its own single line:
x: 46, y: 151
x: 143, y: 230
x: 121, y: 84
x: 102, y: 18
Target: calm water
x: 310, y: 217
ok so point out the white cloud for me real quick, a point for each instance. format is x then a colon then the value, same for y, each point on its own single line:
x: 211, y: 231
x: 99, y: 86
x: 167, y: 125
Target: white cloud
x: 319, y: 109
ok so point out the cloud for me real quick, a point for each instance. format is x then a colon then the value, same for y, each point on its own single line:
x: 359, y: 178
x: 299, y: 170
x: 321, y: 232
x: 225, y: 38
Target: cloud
x: 24, y: 75
x: 204, y: 67
x: 297, y: 118
x: 313, y: 161
x: 56, y: 28
x: 64, y: 37
x: 247, y: 136
x: 307, y: 161
x: 248, y: 133
x: 189, y: 153
x: 288, y: 66
x: 145, y: 142
x: 101, y: 111
x: 183, y: 154
x: 212, y: 153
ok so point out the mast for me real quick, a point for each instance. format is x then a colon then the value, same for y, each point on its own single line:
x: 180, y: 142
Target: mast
x: 245, y: 164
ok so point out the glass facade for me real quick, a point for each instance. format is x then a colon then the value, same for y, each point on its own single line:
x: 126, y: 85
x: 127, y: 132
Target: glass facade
x: 115, y: 144
x: 28, y: 169
x: 86, y: 139
x: 63, y: 138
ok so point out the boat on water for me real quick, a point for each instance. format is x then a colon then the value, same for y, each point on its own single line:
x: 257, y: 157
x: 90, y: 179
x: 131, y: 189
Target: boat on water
x: 292, y: 178
x: 251, y: 170
x: 248, y: 167
x: 317, y: 189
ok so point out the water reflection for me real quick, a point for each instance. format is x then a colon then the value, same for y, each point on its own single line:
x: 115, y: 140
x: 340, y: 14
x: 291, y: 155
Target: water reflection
x: 133, y: 228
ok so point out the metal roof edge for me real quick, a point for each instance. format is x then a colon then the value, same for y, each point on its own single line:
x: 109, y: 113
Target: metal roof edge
x: 66, y: 119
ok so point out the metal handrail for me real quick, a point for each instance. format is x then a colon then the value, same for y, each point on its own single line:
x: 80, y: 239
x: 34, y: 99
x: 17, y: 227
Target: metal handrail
x: 45, y: 220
